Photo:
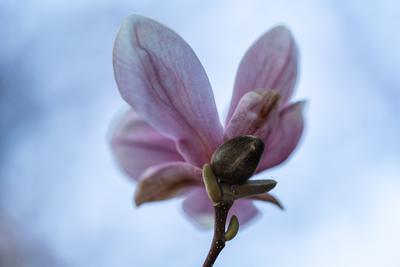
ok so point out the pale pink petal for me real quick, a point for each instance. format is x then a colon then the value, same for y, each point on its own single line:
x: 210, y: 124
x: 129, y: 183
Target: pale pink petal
x: 284, y: 137
x: 138, y: 146
x: 245, y: 210
x: 159, y: 75
x: 270, y: 63
x: 167, y: 181
x: 199, y: 209
x: 254, y: 115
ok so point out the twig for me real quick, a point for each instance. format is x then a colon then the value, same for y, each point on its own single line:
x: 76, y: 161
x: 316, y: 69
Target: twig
x: 218, y: 243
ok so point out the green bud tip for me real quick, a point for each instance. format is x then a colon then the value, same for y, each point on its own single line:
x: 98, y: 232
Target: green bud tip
x: 233, y: 228
x: 210, y: 182
x: 252, y: 188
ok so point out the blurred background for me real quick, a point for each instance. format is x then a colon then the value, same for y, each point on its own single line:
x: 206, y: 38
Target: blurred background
x: 64, y: 202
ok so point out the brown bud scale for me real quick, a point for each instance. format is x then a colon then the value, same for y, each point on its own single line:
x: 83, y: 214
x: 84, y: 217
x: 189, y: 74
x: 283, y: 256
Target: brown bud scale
x: 235, y: 161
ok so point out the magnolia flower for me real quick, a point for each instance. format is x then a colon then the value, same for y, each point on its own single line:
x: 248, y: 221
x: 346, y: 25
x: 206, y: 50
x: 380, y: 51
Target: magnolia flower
x: 173, y: 126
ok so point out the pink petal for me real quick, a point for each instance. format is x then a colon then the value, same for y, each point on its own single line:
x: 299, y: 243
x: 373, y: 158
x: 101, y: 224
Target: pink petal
x: 159, y: 75
x: 254, y: 115
x: 138, y: 146
x: 245, y: 210
x: 270, y: 63
x: 284, y: 137
x: 199, y: 209
x: 167, y: 181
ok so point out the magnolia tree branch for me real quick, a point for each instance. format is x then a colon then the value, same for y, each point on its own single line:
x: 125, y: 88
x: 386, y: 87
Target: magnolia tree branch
x: 234, y: 162
x: 218, y: 243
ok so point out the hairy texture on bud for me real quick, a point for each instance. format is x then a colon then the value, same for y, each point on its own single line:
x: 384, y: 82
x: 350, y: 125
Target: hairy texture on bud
x: 235, y: 161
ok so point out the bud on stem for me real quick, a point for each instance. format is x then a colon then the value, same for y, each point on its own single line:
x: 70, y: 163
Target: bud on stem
x: 235, y: 161
x: 252, y: 188
x: 233, y: 228
x: 211, y: 184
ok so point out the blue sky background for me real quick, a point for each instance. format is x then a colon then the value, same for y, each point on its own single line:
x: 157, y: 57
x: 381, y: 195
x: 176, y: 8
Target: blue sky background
x: 63, y: 201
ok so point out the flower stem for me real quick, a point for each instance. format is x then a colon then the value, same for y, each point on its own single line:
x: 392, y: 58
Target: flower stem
x: 221, y: 210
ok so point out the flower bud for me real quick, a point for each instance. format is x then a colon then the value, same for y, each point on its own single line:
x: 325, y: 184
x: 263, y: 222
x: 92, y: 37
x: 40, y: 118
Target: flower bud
x: 211, y: 184
x: 233, y: 228
x: 235, y: 161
